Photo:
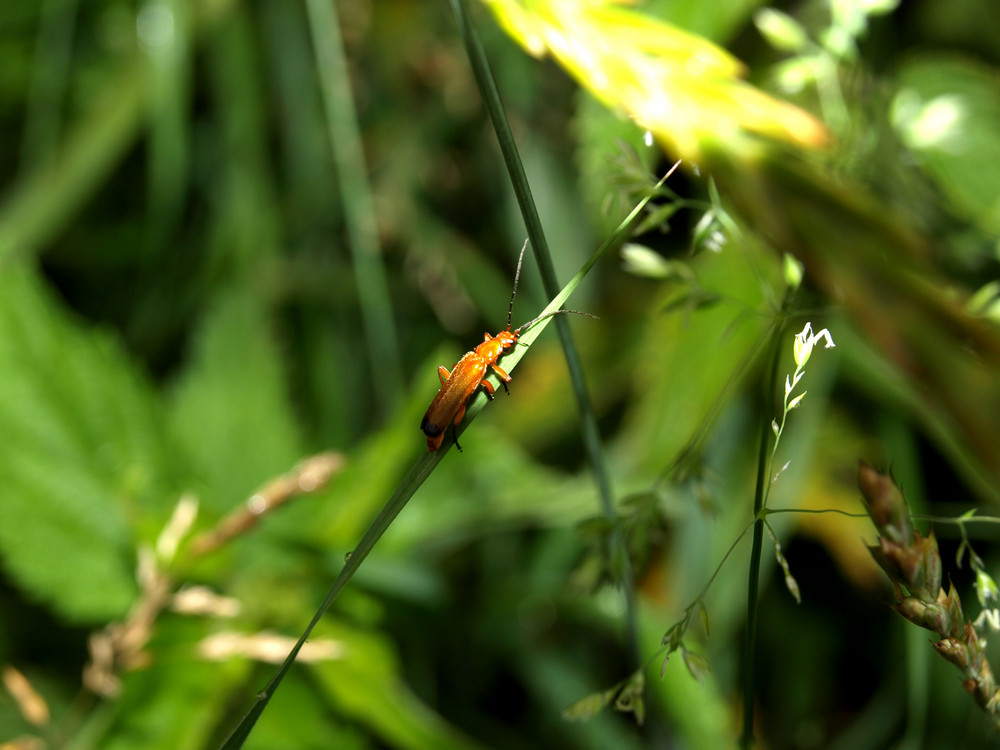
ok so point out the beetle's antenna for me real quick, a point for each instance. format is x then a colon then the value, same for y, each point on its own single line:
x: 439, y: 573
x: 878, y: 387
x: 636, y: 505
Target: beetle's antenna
x: 517, y: 275
x: 549, y: 315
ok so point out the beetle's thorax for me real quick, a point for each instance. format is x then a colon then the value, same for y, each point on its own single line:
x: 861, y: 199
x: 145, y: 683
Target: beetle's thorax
x: 494, y: 346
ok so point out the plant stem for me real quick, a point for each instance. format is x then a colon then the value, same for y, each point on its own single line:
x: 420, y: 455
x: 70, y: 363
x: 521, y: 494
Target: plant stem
x: 753, y: 584
x: 420, y: 471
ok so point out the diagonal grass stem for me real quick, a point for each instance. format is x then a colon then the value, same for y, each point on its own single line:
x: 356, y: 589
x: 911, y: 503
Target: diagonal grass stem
x: 491, y: 97
x: 359, y: 209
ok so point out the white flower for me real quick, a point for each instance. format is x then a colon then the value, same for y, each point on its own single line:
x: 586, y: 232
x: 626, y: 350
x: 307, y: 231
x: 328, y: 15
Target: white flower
x: 805, y: 340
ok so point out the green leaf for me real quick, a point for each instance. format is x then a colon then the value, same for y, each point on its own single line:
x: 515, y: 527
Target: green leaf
x: 231, y: 408
x: 790, y: 582
x: 696, y: 664
x: 589, y: 706
x: 83, y: 454
x: 173, y: 704
x: 703, y: 613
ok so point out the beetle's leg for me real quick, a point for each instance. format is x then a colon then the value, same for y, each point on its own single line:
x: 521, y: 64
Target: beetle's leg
x: 454, y: 425
x: 504, y: 377
x: 454, y: 429
x: 488, y: 386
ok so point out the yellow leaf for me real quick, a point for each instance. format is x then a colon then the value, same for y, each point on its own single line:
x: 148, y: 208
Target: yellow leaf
x: 684, y: 89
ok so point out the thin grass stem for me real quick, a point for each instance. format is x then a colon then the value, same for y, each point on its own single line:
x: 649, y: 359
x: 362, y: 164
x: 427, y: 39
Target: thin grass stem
x: 359, y: 210
x: 416, y: 476
x: 618, y: 553
x: 420, y: 471
x: 753, y: 583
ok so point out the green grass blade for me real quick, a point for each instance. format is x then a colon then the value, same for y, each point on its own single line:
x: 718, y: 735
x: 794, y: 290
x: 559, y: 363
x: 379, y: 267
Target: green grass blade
x: 416, y: 476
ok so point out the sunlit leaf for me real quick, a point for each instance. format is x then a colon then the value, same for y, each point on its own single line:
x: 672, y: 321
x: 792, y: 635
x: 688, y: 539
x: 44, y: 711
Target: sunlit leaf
x: 84, y: 455
x: 684, y: 89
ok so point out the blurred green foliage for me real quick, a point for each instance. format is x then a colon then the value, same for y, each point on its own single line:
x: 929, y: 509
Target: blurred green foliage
x: 182, y: 315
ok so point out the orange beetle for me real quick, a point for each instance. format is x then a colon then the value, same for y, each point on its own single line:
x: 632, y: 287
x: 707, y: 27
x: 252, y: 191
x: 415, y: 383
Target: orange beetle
x: 459, y: 385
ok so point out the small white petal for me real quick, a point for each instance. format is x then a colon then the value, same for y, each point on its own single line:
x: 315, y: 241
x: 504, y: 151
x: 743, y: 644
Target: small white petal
x: 825, y: 334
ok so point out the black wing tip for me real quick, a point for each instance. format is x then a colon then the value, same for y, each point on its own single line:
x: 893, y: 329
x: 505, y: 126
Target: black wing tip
x: 430, y: 429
